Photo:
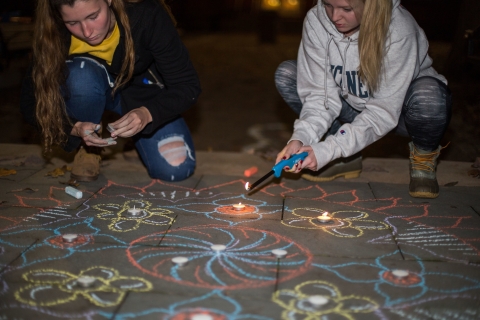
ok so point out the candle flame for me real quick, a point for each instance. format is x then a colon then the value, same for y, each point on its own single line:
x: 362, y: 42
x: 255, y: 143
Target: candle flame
x: 325, y: 214
x: 247, y: 186
x: 239, y: 203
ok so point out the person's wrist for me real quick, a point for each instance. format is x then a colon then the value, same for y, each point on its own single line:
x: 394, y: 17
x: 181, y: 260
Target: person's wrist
x: 148, y: 114
x: 76, y: 129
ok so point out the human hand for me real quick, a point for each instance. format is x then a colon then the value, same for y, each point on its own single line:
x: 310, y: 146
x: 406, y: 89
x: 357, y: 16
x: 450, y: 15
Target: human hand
x: 294, y: 147
x: 131, y: 123
x: 89, y: 132
x: 291, y: 148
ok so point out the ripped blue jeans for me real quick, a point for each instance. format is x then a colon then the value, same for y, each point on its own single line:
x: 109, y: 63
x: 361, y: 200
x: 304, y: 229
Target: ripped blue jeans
x: 426, y: 111
x: 90, y: 87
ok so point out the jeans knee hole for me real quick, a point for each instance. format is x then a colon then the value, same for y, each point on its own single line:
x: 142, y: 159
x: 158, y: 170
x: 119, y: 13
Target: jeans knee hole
x: 174, y: 151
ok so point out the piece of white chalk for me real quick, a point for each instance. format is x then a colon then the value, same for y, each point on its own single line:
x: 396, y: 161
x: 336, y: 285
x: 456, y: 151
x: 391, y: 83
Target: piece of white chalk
x: 218, y: 247
x: 180, y: 261
x: 69, y: 237
x: 74, y: 192
x: 86, y: 281
x: 279, y: 253
x: 400, y: 273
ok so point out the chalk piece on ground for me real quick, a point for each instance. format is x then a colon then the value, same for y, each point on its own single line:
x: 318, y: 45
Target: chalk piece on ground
x: 74, y: 192
x: 250, y: 172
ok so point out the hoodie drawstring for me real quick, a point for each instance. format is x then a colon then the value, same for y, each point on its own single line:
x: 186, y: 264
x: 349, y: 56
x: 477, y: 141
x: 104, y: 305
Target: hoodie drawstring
x: 344, y: 73
x: 327, y: 67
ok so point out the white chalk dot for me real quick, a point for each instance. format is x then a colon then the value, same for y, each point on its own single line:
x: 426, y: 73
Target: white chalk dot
x: 318, y: 301
x: 69, y: 237
x: 86, y: 281
x: 279, y: 253
x: 201, y: 317
x: 218, y: 247
x: 180, y: 261
x: 400, y: 273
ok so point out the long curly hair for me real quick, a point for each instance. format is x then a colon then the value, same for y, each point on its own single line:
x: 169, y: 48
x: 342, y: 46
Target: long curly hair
x: 374, y: 17
x: 50, y: 71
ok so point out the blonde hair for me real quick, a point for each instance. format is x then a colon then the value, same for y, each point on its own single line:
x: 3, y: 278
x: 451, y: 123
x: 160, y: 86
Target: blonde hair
x: 49, y: 68
x: 374, y: 24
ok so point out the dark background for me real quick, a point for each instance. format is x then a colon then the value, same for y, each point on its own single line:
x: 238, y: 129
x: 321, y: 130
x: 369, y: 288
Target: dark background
x: 236, y: 45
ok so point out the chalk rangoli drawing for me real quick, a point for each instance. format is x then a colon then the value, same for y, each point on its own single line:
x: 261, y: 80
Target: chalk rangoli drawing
x: 50, y: 287
x: 220, y: 207
x: 411, y: 285
x: 346, y: 224
x: 431, y: 239
x: 121, y: 221
x: 214, y: 206
x: 247, y: 261
x: 214, y: 305
x: 58, y: 249
x: 318, y: 299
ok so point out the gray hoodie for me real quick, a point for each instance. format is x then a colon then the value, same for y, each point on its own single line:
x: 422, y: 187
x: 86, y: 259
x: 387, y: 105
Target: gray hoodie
x: 327, y: 69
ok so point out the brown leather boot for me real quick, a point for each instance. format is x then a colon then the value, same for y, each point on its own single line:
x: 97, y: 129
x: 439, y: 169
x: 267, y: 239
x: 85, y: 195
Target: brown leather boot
x: 86, y: 166
x: 423, y: 177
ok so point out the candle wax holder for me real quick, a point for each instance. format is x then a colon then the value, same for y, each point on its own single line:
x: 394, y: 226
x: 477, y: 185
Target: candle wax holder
x: 134, y: 212
x: 69, y: 237
x: 324, y: 219
x: 239, y: 207
x: 180, y: 261
x: 400, y: 273
x: 85, y: 281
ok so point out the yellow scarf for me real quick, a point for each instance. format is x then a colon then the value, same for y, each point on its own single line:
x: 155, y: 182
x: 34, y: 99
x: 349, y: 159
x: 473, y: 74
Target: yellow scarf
x: 104, y: 50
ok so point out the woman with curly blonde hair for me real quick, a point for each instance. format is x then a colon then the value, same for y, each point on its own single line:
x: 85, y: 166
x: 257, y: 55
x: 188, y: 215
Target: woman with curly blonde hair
x: 363, y: 70
x: 126, y: 56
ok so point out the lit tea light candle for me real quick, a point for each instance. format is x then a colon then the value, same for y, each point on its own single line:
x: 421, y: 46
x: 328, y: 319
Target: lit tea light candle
x: 134, y: 211
x: 69, y: 237
x: 279, y: 253
x: 324, y: 218
x: 317, y: 301
x: 400, y: 273
x: 180, y: 261
x: 218, y: 247
x: 86, y: 281
x: 239, y: 206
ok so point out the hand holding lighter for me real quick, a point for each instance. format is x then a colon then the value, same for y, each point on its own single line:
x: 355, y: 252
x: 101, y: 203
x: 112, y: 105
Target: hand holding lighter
x: 277, y: 169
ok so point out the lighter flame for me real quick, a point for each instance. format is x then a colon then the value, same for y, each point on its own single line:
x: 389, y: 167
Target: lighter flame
x: 247, y: 186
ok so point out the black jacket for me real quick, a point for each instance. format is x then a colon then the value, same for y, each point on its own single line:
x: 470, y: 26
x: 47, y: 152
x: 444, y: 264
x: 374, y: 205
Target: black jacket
x: 158, y: 48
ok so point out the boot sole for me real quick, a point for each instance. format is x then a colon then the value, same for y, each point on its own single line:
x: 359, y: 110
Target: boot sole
x: 346, y: 175
x: 83, y: 178
x: 427, y: 195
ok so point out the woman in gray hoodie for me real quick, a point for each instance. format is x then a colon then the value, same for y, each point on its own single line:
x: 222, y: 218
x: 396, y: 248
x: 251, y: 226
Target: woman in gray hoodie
x: 363, y: 70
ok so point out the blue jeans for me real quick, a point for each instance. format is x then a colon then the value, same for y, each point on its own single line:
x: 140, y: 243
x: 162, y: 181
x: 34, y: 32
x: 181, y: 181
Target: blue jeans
x: 425, y: 115
x: 89, y: 95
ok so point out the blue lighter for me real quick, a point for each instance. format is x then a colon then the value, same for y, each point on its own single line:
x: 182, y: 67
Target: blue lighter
x: 277, y: 169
